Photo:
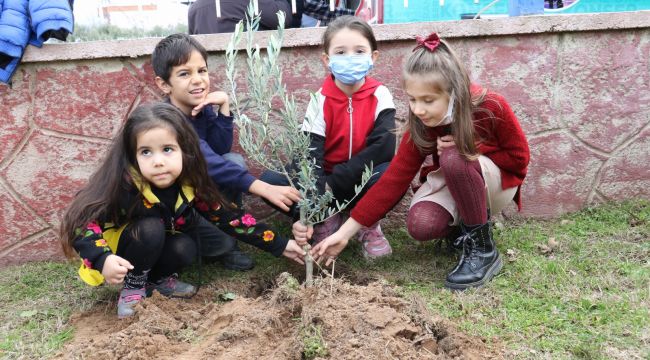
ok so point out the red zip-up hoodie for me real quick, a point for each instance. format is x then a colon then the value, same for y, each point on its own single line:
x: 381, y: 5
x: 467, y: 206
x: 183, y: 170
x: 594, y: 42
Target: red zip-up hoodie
x: 349, y: 133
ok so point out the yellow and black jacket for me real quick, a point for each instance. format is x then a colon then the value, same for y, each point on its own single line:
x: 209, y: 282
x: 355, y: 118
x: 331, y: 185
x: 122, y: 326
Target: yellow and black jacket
x: 99, y: 238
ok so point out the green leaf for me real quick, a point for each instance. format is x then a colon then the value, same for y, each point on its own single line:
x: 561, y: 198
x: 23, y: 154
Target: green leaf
x: 229, y: 296
x: 250, y: 230
x: 28, y: 313
x: 239, y: 231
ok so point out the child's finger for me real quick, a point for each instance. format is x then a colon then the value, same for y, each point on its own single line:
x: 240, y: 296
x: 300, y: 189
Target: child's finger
x: 116, y: 279
x: 198, y: 108
x: 314, y: 254
x: 287, y: 201
x: 294, y: 195
x: 319, y: 249
x: 297, y: 226
x: 124, y: 262
x: 282, y: 205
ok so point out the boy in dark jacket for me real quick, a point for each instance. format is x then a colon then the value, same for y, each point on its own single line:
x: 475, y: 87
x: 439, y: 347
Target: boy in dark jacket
x: 180, y: 66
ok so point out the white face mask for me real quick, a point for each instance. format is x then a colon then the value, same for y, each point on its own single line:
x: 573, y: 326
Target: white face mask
x: 449, y: 116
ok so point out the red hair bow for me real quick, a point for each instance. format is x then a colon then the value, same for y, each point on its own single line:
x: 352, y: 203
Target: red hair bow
x: 430, y: 43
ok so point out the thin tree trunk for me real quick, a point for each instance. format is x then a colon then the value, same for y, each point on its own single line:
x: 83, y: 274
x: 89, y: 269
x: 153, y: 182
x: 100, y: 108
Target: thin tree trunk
x: 309, y: 261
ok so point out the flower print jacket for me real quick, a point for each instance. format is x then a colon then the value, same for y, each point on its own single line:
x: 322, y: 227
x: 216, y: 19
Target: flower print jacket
x: 99, y: 239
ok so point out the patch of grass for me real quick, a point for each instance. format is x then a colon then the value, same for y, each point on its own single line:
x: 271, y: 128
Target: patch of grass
x: 37, y: 300
x: 589, y: 297
x: 313, y: 344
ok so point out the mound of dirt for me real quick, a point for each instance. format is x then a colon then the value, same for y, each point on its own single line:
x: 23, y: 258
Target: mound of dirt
x: 334, y: 319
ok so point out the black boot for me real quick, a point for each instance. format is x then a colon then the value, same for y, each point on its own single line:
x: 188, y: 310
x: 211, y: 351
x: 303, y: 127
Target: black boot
x: 454, y: 240
x: 236, y: 259
x: 479, y: 261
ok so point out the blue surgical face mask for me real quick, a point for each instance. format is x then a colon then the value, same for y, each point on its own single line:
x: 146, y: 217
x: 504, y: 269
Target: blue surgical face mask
x: 350, y: 69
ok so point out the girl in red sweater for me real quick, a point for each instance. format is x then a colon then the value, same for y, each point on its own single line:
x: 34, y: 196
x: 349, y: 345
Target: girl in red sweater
x: 480, y: 156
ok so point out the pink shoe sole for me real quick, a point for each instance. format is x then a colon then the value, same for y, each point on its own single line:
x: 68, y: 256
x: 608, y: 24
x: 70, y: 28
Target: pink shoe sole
x: 376, y: 251
x: 373, y: 243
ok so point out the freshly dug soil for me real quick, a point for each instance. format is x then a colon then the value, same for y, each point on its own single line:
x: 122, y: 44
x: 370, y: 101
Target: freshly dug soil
x: 334, y: 319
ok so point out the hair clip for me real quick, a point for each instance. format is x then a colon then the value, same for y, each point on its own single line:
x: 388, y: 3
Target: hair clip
x: 430, y: 43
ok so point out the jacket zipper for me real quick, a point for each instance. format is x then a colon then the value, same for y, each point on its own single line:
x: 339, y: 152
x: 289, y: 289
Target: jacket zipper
x: 350, y: 110
x: 172, y: 221
x: 172, y: 218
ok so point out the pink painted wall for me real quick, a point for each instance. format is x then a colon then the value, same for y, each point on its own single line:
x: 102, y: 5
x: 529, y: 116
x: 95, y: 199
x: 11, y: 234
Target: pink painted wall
x: 581, y: 92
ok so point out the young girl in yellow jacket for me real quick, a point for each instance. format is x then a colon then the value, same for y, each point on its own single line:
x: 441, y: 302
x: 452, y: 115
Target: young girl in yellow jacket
x: 150, y: 209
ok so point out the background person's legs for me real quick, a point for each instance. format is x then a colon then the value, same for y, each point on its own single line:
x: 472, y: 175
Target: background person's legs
x: 233, y: 195
x: 235, y: 259
x: 219, y: 246
x: 377, y: 172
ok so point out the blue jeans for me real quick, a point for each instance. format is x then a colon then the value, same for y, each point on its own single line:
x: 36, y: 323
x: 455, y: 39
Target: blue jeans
x: 308, y: 21
x: 275, y: 178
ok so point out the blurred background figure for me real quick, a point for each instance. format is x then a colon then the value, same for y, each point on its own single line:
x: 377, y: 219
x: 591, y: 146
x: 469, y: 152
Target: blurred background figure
x: 202, y: 15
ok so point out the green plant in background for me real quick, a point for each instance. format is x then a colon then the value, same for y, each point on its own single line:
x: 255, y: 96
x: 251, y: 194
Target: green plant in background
x: 273, y: 144
x: 84, y: 33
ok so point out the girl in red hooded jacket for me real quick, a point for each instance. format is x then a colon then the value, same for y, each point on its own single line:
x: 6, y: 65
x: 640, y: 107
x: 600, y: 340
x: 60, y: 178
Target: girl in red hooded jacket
x: 351, y: 122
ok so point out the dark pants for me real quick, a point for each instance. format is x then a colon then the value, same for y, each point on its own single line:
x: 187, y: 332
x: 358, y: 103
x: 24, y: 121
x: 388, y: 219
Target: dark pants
x: 230, y: 194
x: 214, y: 242
x: 156, y: 253
x: 275, y: 178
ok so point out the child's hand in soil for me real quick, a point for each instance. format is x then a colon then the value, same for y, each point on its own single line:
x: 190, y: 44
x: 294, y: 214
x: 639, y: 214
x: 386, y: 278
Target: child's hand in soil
x: 115, y: 269
x: 294, y: 252
x: 330, y: 248
x: 302, y: 233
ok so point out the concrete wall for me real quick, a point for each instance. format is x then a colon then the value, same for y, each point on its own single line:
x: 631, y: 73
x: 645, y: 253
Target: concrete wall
x: 579, y: 84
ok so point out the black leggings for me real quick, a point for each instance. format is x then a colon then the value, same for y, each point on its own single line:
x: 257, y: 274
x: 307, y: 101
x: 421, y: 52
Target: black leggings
x: 156, y: 253
x: 153, y: 252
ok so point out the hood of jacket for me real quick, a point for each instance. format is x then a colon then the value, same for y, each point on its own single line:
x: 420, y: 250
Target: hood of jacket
x: 332, y: 91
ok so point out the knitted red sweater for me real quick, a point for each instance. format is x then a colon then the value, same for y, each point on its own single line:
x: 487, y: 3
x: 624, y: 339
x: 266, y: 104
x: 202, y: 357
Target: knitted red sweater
x: 502, y: 140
